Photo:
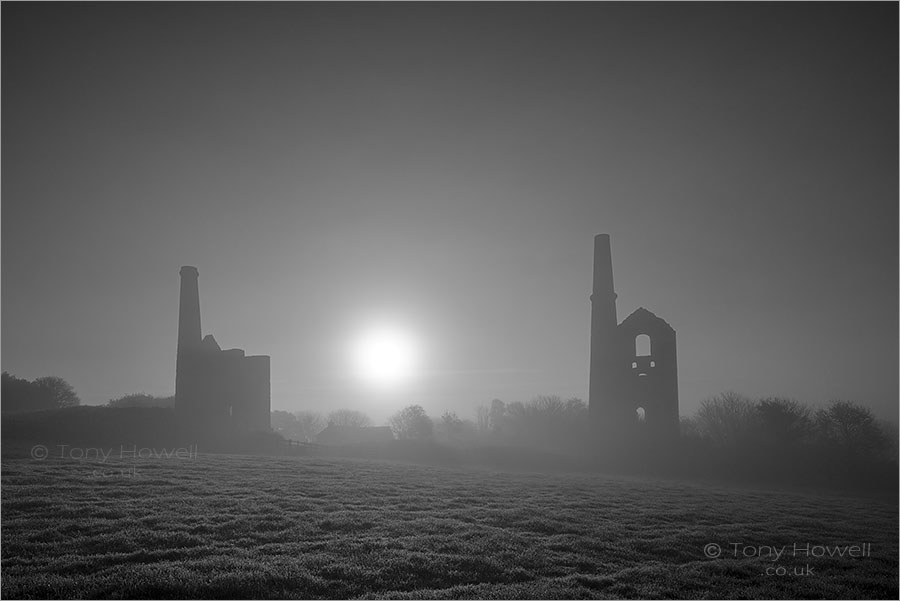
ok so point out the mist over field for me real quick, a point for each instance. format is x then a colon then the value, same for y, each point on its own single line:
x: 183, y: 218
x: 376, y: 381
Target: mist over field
x: 117, y: 503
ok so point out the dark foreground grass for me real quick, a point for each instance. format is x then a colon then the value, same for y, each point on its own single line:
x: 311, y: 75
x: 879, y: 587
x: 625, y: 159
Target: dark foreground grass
x: 251, y: 527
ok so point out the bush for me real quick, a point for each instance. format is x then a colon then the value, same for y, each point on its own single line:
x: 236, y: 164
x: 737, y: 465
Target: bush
x: 851, y: 431
x: 412, y: 423
x: 727, y: 419
x: 349, y: 417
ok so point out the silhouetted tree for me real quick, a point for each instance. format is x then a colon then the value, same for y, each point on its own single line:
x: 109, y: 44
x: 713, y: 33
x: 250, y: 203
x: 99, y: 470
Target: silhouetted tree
x: 451, y: 425
x: 44, y: 393
x: 349, y: 417
x: 575, y: 407
x: 547, y: 405
x: 689, y: 427
x: 285, y: 423
x: 483, y: 418
x: 60, y: 392
x: 782, y: 423
x: 309, y: 424
x: 852, y: 430
x: 19, y: 395
x: 547, y: 421
x: 727, y: 419
x: 515, y: 413
x: 412, y: 423
x: 454, y: 430
x: 497, y: 414
x: 892, y: 434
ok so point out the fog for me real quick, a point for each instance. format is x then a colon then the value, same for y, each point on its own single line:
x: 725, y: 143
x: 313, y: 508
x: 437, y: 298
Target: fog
x: 445, y: 168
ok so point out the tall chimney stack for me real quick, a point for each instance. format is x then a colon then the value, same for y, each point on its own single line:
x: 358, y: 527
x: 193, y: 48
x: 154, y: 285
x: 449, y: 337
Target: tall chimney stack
x: 189, y: 337
x: 603, y: 329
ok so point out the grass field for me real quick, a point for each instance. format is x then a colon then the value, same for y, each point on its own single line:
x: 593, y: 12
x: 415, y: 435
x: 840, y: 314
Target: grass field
x: 252, y: 527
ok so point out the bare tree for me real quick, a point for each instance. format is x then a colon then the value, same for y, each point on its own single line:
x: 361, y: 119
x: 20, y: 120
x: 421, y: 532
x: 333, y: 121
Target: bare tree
x: 726, y: 419
x: 349, y: 417
x: 483, y: 418
x: 782, y: 422
x: 309, y: 424
x: 412, y: 423
x: 851, y: 428
x: 451, y: 425
x: 545, y: 420
x: 285, y: 423
x: 575, y: 407
x: 515, y: 411
x: 547, y: 405
x: 497, y: 414
x: 689, y: 428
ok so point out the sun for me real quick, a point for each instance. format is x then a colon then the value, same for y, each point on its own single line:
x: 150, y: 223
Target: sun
x: 385, y: 356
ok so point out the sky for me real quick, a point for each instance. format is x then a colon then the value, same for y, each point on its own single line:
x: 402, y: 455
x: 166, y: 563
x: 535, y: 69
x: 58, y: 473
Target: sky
x: 444, y: 168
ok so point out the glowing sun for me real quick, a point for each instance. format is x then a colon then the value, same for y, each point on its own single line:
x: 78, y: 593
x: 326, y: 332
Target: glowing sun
x: 385, y: 356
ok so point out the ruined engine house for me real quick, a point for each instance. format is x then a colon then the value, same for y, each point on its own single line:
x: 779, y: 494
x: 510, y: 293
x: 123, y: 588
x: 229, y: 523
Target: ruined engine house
x: 634, y: 367
x: 216, y: 389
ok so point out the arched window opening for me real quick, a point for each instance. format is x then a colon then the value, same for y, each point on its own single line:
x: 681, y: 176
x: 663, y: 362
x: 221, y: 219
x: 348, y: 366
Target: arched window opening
x: 653, y: 364
x: 642, y: 345
x: 641, y: 414
x: 634, y: 365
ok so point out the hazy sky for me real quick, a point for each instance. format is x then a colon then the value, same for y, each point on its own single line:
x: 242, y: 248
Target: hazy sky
x: 445, y: 167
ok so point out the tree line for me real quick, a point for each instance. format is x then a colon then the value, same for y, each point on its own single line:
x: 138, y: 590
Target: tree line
x: 23, y: 396
x: 728, y: 422
x: 729, y: 431
x: 788, y: 440
x: 539, y: 421
x: 409, y: 423
x: 52, y: 392
x: 730, y: 435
